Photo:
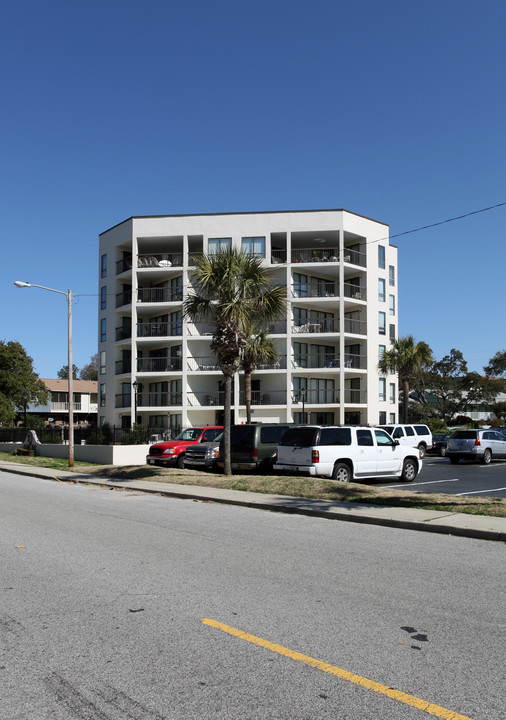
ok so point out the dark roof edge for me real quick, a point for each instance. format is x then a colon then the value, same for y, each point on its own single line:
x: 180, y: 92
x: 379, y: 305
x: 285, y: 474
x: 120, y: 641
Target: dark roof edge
x: 250, y: 212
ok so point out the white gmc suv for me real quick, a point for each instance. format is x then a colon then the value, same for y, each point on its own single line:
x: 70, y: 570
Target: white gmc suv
x: 346, y: 453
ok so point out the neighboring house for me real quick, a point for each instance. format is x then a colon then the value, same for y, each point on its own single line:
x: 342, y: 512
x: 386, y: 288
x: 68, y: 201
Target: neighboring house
x: 85, y: 402
x: 341, y: 277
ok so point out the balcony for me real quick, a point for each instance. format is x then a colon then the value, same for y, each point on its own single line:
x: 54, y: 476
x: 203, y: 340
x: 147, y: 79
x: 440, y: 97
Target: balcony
x: 207, y: 363
x: 123, y: 298
x: 159, y: 260
x: 355, y: 327
x: 327, y: 325
x: 307, y: 255
x: 355, y: 292
x: 200, y: 329
x: 357, y: 362
x: 64, y: 406
x: 261, y: 397
x: 163, y: 399
x: 123, y: 333
x: 278, y: 257
x: 145, y: 330
x: 159, y: 364
x: 205, y: 399
x: 159, y: 295
x: 123, y: 265
x: 123, y: 366
x: 320, y: 290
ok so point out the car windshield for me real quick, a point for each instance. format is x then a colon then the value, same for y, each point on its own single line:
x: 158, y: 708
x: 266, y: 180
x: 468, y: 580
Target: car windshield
x: 300, y: 437
x: 190, y: 434
x: 465, y: 435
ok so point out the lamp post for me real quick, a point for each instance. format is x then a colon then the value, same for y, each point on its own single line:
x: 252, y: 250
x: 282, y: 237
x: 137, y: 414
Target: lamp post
x: 301, y: 396
x: 68, y: 295
x: 135, y: 383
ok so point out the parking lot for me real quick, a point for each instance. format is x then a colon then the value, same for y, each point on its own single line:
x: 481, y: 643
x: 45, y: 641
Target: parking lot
x: 440, y: 476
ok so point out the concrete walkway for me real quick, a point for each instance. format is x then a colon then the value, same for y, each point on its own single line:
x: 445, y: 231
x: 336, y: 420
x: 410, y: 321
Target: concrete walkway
x: 473, y: 526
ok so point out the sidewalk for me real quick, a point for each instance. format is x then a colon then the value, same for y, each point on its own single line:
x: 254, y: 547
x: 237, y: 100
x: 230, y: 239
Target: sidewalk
x: 473, y: 526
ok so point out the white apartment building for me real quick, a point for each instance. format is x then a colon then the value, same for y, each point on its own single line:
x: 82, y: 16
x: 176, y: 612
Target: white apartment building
x: 340, y: 272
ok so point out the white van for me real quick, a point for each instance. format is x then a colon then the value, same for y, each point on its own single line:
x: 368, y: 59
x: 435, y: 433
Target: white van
x: 418, y: 436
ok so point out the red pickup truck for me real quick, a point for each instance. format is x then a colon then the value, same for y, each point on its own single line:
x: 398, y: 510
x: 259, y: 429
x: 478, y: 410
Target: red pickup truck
x: 171, y: 453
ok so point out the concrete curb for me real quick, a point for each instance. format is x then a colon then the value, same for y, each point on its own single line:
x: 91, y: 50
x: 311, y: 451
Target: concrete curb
x: 457, y: 524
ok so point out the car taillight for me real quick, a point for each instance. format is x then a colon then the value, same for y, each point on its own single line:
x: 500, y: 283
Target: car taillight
x: 254, y: 453
x: 315, y: 456
x: 477, y: 441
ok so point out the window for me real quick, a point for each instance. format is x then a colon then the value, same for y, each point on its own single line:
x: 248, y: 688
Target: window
x: 103, y: 266
x: 391, y: 275
x: 381, y: 351
x: 392, y: 392
x: 335, y: 436
x: 102, y: 394
x: 382, y: 421
x: 382, y: 290
x: 392, y: 417
x: 391, y: 304
x: 254, y: 246
x: 102, y: 329
x: 382, y: 323
x: 381, y: 256
x: 299, y: 285
x: 364, y: 437
x: 102, y: 362
x: 391, y: 333
x: 382, y: 390
x: 103, y: 297
x: 216, y: 245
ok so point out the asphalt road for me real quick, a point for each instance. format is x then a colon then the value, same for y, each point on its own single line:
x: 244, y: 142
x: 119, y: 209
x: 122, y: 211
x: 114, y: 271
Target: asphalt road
x: 103, y: 595
x: 465, y: 478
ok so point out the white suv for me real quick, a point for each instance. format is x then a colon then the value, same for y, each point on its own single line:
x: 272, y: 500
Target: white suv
x: 412, y: 435
x: 346, y: 453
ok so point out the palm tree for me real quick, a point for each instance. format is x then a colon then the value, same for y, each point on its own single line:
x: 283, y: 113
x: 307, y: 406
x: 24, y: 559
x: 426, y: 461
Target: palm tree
x: 406, y: 358
x: 231, y: 289
x: 259, y: 349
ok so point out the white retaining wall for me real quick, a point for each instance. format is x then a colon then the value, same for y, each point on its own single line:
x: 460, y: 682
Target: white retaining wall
x: 101, y: 454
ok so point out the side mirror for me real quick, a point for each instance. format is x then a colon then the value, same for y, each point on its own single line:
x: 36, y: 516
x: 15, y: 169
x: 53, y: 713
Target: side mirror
x: 203, y: 439
x: 396, y: 442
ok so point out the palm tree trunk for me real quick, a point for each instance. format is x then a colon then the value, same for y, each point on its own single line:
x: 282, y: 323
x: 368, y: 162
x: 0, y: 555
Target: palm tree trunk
x: 227, y: 467
x: 247, y: 395
x: 405, y: 400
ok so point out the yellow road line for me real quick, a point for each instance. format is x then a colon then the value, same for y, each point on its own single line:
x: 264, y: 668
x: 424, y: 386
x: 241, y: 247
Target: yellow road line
x: 427, y: 707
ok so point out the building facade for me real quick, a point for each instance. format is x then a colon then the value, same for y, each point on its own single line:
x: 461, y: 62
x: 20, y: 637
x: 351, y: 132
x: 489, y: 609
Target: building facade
x: 56, y: 411
x: 340, y: 272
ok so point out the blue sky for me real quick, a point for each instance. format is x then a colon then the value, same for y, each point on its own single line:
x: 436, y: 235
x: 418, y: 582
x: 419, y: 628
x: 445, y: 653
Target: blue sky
x: 393, y: 110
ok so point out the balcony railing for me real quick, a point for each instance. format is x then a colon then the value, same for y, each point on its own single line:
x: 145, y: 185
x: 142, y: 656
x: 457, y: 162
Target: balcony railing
x: 124, y: 298
x: 327, y: 325
x: 355, y: 327
x: 202, y: 328
x: 123, y: 401
x: 123, y: 333
x: 205, y: 399
x: 159, y: 295
x: 355, y: 292
x: 124, y: 264
x: 354, y: 257
x: 206, y: 364
x: 322, y: 289
x: 278, y: 256
x: 159, y: 260
x: 123, y: 366
x: 164, y: 329
x: 327, y: 360
x: 159, y: 364
x: 328, y: 397
x: 304, y: 255
x: 163, y: 399
x: 262, y: 397
x: 64, y: 406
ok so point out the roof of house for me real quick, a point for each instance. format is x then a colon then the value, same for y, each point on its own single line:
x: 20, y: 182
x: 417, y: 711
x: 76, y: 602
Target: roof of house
x: 82, y: 386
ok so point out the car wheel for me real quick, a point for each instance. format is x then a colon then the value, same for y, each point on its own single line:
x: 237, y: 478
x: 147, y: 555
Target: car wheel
x: 342, y: 472
x: 454, y: 460
x: 442, y: 451
x: 422, y: 449
x: 409, y: 470
x: 180, y: 461
x: 487, y: 457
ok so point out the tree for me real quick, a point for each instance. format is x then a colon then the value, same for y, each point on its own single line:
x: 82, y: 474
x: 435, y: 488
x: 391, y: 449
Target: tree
x: 63, y: 373
x: 446, y: 384
x: 258, y: 349
x: 19, y: 383
x: 480, y: 390
x: 406, y: 358
x: 90, y: 371
x: 497, y: 365
x: 231, y: 289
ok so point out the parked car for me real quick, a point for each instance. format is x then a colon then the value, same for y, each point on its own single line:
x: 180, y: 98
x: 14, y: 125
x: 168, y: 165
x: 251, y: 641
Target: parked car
x: 346, y: 453
x: 253, y: 447
x: 478, y: 445
x: 439, y: 441
x: 171, y: 453
x: 203, y: 455
x: 418, y: 436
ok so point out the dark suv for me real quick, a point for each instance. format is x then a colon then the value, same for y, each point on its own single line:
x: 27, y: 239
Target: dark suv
x: 254, y: 447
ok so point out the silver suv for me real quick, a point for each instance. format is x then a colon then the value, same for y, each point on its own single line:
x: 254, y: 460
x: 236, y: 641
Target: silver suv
x: 346, y: 453
x: 479, y: 445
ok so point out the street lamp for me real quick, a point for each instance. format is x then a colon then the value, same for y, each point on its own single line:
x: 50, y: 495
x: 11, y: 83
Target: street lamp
x: 301, y: 395
x: 68, y: 295
x: 135, y: 383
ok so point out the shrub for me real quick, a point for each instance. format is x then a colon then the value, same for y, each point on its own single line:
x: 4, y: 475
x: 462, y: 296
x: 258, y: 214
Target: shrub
x: 138, y: 435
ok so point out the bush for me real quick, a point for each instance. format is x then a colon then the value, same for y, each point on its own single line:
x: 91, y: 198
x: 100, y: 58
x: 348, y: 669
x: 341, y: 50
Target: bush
x: 436, y: 425
x: 104, y: 434
x: 138, y: 435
